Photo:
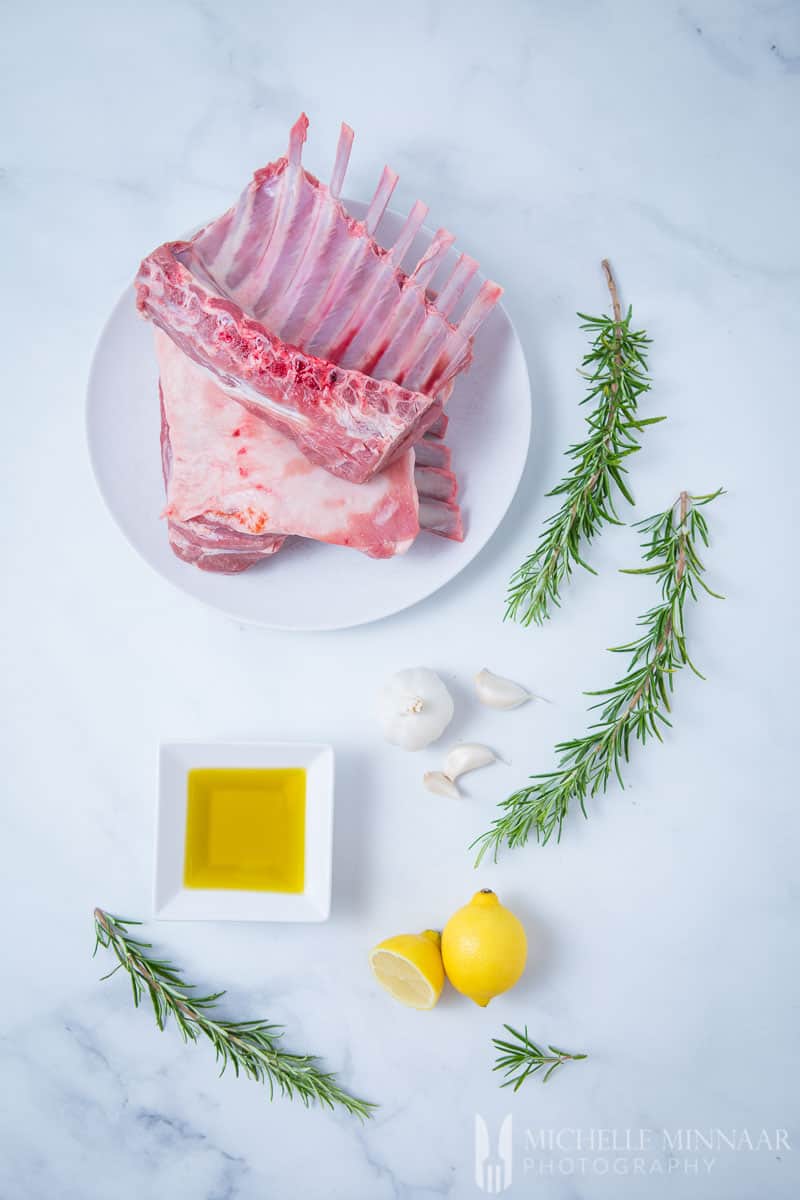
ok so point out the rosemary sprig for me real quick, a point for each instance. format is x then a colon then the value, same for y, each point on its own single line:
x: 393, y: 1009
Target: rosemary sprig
x: 616, y: 371
x: 521, y: 1058
x: 249, y: 1047
x: 634, y: 707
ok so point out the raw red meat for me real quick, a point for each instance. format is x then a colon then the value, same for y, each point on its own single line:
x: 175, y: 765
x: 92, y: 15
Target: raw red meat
x: 236, y: 487
x: 297, y: 313
x: 217, y: 548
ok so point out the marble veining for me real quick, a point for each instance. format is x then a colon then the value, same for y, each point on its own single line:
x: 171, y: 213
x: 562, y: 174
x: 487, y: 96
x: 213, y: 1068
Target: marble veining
x: 545, y: 135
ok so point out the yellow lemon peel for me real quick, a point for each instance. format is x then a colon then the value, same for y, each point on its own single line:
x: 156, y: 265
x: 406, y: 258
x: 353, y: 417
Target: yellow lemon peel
x: 484, y: 948
x: 410, y: 967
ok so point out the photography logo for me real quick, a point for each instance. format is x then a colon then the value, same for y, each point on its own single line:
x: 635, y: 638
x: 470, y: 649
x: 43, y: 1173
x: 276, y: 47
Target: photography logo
x: 493, y: 1165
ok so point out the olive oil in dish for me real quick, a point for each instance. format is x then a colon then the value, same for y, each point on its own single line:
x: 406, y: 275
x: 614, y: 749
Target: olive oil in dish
x: 245, y: 829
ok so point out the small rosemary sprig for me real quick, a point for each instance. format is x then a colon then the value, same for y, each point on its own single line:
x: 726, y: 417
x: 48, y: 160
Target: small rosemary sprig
x: 249, y: 1047
x: 616, y: 371
x: 637, y: 705
x: 521, y: 1058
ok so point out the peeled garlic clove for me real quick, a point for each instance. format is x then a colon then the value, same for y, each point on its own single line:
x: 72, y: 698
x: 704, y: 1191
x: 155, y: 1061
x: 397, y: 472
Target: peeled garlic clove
x: 467, y: 757
x: 440, y: 784
x: 497, y: 692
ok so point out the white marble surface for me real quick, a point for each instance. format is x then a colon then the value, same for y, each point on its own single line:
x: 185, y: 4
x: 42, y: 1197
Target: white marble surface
x: 545, y: 135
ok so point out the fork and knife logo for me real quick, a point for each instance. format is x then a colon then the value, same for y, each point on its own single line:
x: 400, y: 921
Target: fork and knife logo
x: 493, y: 1171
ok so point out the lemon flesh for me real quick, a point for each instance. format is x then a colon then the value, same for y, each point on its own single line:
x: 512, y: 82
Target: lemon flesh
x: 484, y: 948
x: 410, y: 967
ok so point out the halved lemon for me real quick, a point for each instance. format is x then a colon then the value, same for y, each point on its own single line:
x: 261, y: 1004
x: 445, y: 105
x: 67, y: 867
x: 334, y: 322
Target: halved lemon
x: 410, y: 967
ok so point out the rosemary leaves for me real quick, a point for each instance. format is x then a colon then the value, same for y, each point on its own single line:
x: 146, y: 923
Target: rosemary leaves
x: 250, y: 1047
x: 520, y: 1058
x: 636, y: 706
x: 616, y: 372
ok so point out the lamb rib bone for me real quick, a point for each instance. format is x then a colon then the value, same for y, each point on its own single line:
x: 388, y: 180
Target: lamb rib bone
x: 297, y: 313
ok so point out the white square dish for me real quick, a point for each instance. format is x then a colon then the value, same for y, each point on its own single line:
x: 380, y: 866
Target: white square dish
x: 172, y: 901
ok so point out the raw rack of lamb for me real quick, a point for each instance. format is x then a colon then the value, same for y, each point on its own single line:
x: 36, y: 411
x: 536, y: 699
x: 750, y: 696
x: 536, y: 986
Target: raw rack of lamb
x: 301, y: 316
x: 286, y: 318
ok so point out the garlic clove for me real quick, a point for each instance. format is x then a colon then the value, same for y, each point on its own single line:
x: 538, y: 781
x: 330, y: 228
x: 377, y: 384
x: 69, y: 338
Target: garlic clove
x: 467, y: 757
x: 497, y: 692
x: 440, y: 784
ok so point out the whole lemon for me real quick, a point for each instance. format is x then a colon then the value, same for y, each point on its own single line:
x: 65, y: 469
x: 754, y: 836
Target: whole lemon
x: 484, y: 948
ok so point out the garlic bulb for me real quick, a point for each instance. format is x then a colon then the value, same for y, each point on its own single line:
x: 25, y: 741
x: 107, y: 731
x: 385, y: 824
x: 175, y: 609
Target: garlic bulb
x: 414, y: 708
x: 467, y: 757
x: 497, y: 692
x: 438, y: 782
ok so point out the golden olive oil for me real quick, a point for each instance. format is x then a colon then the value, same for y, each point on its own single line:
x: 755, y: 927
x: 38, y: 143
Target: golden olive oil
x: 246, y: 829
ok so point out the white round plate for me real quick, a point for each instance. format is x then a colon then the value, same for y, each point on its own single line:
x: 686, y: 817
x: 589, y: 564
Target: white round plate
x: 307, y: 585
